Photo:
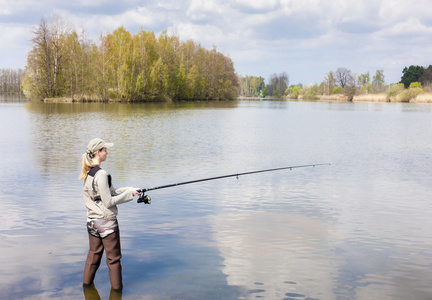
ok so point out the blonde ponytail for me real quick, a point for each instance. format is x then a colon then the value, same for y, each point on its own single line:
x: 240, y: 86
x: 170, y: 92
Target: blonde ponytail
x: 86, y: 164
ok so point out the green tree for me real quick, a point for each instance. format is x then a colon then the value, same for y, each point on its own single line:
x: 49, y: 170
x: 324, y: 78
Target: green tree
x: 415, y: 85
x: 250, y: 86
x: 158, y: 80
x: 378, y: 81
x: 80, y: 66
x: 329, y: 83
x: 122, y: 63
x: 263, y: 92
x: 411, y: 74
x: 191, y: 81
x: 257, y: 84
x: 311, y: 91
x: 364, y: 82
x: 394, y: 90
x: 293, y: 91
x: 412, y: 92
x: 145, y: 56
x: 337, y: 90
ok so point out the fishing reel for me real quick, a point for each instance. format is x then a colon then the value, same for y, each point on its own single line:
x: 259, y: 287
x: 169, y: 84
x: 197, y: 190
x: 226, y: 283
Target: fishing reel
x: 144, y: 198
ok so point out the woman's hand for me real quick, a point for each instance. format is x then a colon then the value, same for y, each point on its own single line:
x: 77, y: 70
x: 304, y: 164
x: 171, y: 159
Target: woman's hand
x: 135, y: 192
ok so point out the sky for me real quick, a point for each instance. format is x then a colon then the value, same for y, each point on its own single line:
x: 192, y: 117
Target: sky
x: 304, y: 38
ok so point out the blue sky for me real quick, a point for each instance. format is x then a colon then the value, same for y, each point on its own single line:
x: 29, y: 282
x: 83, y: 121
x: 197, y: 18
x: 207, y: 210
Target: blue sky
x: 304, y: 38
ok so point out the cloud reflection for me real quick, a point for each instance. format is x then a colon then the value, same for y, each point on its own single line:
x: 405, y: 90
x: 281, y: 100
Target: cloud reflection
x: 273, y: 254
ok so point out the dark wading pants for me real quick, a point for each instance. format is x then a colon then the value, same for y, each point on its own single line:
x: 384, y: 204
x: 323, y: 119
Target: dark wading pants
x: 111, y: 244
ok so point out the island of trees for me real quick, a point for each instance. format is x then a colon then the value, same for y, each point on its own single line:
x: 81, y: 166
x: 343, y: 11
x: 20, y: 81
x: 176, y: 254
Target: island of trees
x: 122, y: 66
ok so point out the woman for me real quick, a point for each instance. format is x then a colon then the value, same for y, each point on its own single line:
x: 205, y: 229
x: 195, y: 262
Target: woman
x: 101, y: 200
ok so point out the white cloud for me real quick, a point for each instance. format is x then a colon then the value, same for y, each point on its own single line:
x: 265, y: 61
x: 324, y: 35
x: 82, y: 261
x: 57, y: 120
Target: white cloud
x: 290, y: 7
x: 258, y: 5
x: 13, y: 34
x: 200, y: 10
x: 10, y: 7
x: 411, y: 27
x: 15, y: 43
x: 202, y: 34
x: 140, y: 16
x: 5, y: 11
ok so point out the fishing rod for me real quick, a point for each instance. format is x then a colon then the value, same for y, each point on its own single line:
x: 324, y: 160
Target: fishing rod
x: 147, y: 200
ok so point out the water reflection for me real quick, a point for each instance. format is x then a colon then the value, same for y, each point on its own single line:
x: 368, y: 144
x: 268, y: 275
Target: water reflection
x: 274, y: 255
x: 91, y: 293
x: 123, y: 108
x: 12, y: 98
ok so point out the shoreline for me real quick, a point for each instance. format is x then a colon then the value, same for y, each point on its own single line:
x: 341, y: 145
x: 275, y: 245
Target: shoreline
x: 372, y: 98
x: 382, y: 97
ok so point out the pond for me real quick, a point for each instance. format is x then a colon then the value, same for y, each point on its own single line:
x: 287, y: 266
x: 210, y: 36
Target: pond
x: 359, y: 228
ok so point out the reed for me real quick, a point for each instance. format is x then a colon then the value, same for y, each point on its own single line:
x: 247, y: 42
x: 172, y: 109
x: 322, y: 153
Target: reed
x: 371, y: 98
x: 423, y: 98
x: 409, y: 95
x: 334, y: 97
x: 78, y: 98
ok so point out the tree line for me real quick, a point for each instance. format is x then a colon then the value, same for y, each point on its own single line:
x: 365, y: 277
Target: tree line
x: 122, y: 66
x: 10, y: 81
x: 413, y: 79
x: 340, y: 81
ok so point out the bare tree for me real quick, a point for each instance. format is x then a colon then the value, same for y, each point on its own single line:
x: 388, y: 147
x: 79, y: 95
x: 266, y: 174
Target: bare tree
x: 42, y: 55
x: 283, y: 82
x: 59, y: 31
x: 426, y: 78
x: 343, y: 76
x: 278, y: 84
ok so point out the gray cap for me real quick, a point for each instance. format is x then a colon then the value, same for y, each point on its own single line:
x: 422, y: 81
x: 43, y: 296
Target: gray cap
x: 97, y: 144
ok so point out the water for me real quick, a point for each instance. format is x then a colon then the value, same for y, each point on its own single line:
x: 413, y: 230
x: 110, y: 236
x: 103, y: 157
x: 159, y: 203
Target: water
x: 358, y: 229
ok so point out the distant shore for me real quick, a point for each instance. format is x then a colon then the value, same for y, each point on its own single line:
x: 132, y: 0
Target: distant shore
x: 382, y: 97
